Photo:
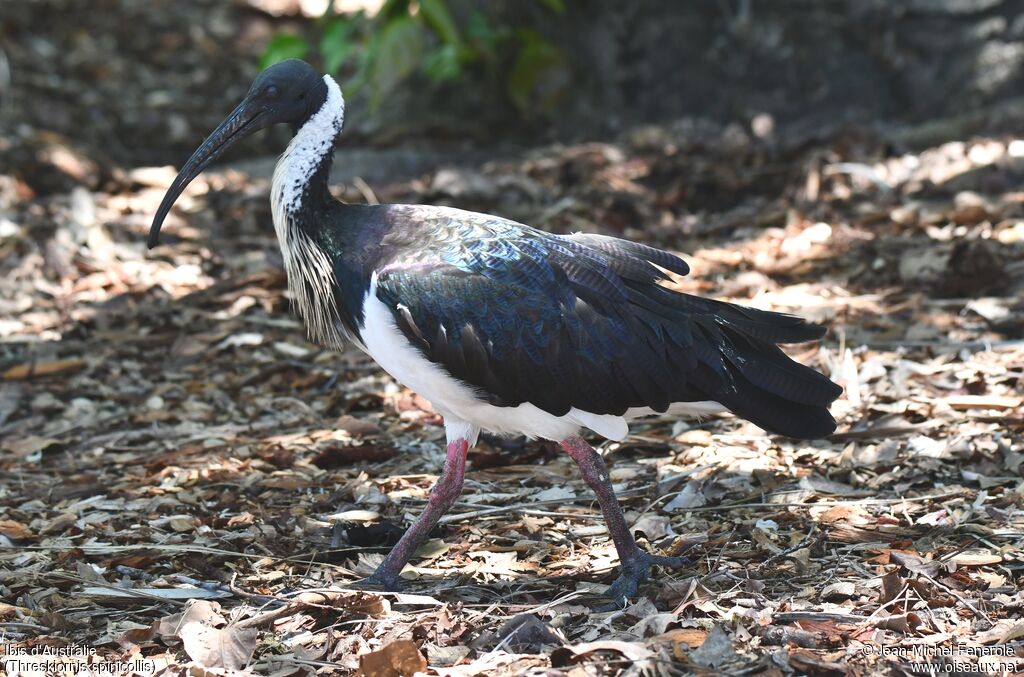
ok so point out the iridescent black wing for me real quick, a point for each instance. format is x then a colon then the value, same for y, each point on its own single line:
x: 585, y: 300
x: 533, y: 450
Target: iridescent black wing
x: 582, y: 321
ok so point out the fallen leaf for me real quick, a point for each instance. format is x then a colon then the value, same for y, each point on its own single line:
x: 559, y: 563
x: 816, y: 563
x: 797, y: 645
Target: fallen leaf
x: 553, y: 494
x: 201, y: 610
x: 976, y: 559
x: 983, y: 402
x: 1015, y: 632
x: 915, y: 564
x: 401, y: 658
x: 29, y: 444
x: 211, y: 647
x: 716, y: 650
x: 691, y: 637
x: 527, y: 633
x: 840, y: 590
x: 892, y: 586
x: 690, y: 497
x: 16, y: 530
x: 634, y: 651
x: 900, y: 622
x: 337, y: 455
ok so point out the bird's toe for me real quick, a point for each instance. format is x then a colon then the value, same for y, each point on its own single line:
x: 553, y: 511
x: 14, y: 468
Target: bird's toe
x: 667, y: 562
x: 634, y: 572
x: 376, y: 582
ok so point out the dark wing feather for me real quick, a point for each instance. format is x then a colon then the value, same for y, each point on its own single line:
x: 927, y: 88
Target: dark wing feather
x: 581, y: 321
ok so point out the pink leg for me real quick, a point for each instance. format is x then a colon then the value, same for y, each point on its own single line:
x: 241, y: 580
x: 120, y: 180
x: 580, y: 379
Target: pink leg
x: 442, y: 496
x: 636, y: 564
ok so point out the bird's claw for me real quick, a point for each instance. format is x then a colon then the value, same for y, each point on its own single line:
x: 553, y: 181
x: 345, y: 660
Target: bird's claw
x: 635, y: 571
x: 376, y: 582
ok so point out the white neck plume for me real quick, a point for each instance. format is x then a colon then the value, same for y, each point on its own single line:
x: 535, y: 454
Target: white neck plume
x: 306, y: 151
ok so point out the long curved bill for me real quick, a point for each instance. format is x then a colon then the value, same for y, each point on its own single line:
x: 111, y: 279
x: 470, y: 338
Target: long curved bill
x: 242, y: 122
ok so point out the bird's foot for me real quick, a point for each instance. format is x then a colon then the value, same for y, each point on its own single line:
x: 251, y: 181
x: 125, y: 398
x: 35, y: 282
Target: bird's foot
x: 635, y: 571
x: 380, y: 582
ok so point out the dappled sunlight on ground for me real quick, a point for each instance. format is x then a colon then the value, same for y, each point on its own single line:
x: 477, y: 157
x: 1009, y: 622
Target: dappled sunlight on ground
x: 165, y: 426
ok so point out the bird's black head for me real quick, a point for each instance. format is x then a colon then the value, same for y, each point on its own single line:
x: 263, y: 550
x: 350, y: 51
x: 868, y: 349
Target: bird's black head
x: 289, y: 92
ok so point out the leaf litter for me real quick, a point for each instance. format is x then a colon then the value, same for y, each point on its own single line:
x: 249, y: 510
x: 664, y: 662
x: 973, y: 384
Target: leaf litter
x: 186, y: 479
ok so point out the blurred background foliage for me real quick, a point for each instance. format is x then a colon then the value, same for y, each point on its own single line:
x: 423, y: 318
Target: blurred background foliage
x: 139, y: 81
x: 380, y: 51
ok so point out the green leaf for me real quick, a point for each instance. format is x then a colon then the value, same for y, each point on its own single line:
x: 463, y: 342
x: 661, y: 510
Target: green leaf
x: 365, y: 58
x: 555, y: 5
x: 539, y: 75
x: 336, y: 43
x: 443, y: 63
x: 437, y: 16
x: 283, y: 46
x: 396, y: 54
x: 483, y: 37
x: 393, y: 9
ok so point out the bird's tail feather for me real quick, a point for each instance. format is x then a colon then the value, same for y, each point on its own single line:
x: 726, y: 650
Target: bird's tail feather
x: 766, y: 386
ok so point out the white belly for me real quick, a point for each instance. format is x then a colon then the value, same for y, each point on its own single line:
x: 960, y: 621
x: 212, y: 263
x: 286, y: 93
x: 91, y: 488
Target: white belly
x: 466, y: 414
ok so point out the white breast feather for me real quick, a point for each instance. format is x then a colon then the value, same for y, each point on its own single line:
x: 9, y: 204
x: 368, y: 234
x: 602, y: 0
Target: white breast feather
x: 462, y: 409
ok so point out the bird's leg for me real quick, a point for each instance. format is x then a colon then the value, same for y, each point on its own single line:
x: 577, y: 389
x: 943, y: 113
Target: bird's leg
x: 442, y: 496
x: 636, y: 564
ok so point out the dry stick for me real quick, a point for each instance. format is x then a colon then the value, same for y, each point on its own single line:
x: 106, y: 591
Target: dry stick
x: 947, y: 345
x: 959, y: 597
x: 903, y: 594
x: 487, y: 612
x: 963, y: 548
x: 721, y: 551
x: 786, y: 617
x: 791, y: 549
x: 294, y: 606
x: 129, y: 592
x: 107, y: 549
x: 628, y: 493
x: 519, y: 507
x: 809, y: 504
x: 671, y: 480
x: 268, y: 617
x: 26, y: 626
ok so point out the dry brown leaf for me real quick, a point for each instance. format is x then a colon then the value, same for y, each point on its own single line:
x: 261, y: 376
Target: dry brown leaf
x: 29, y: 444
x: 716, y: 651
x: 59, y: 523
x: 1015, y: 632
x: 807, y: 662
x: 198, y: 611
x: 17, y: 530
x: 983, y: 402
x: 976, y: 559
x: 892, y: 586
x: 903, y: 623
x: 31, y: 370
x: 687, y: 637
x: 914, y: 563
x: 230, y: 647
x: 338, y: 455
x: 401, y: 658
x: 242, y: 519
x: 569, y: 655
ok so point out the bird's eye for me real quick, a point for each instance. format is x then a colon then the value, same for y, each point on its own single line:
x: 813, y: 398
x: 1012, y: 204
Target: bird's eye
x: 271, y: 91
